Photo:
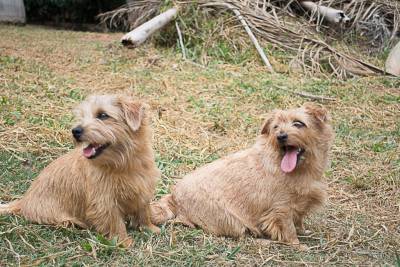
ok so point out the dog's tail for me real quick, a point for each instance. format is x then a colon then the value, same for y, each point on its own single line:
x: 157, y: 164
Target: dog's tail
x: 163, y: 210
x: 9, y: 208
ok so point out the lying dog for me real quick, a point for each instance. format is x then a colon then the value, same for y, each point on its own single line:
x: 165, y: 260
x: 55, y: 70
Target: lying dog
x: 107, y: 180
x: 266, y: 190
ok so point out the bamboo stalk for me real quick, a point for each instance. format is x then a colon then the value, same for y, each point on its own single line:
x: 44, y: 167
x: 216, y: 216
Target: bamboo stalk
x: 180, y: 40
x: 250, y: 33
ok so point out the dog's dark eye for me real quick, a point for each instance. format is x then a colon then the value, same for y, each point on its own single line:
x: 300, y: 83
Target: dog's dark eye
x: 276, y: 127
x: 102, y: 116
x: 298, y: 124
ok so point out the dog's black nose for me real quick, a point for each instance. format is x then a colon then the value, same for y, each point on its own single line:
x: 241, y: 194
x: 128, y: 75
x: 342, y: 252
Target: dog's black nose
x: 77, y: 132
x: 282, y: 137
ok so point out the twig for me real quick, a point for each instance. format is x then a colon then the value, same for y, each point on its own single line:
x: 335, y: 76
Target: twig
x: 26, y: 243
x: 13, y: 251
x: 180, y: 40
x: 249, y: 32
x: 40, y: 260
x: 308, y: 95
x: 196, y: 64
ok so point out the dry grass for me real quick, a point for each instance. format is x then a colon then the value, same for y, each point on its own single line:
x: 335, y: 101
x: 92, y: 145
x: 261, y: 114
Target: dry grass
x: 199, y: 114
x: 284, y: 25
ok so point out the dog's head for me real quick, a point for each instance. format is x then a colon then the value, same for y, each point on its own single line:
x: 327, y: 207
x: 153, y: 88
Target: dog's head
x: 108, y: 128
x: 299, y: 137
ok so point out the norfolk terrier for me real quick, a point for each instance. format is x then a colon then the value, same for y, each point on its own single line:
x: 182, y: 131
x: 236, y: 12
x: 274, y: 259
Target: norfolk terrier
x: 265, y: 190
x: 108, y: 180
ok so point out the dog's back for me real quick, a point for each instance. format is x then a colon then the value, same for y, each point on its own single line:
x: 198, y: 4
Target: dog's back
x: 56, y: 196
x: 211, y: 197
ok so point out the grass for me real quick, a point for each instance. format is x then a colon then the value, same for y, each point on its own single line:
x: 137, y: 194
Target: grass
x: 200, y: 114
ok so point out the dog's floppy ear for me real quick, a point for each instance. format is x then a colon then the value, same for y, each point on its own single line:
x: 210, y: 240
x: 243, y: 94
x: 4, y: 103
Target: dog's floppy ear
x: 134, y: 112
x: 265, y: 129
x: 318, y: 112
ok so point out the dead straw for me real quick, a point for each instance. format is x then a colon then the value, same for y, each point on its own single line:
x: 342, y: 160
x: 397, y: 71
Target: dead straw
x: 282, y: 24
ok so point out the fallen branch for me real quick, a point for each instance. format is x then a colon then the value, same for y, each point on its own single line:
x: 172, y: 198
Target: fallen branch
x: 196, y: 64
x: 308, y: 95
x: 140, y: 34
x: 249, y: 32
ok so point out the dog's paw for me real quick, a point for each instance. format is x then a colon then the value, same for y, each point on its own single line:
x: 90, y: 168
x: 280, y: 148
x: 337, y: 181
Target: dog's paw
x: 263, y: 242
x: 300, y: 247
x: 127, y: 242
x: 303, y: 247
x: 306, y: 232
x: 154, y: 229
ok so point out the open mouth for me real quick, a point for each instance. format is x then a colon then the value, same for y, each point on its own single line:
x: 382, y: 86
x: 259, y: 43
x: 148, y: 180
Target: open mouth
x: 291, y: 158
x: 94, y: 150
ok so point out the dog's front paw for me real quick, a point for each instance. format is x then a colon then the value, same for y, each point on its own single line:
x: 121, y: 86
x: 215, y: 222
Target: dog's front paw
x: 300, y: 247
x: 263, y: 242
x: 127, y: 242
x: 154, y: 229
x: 304, y: 232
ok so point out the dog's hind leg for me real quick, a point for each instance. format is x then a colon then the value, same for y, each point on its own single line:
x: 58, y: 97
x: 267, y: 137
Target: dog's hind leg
x: 180, y: 219
x: 70, y: 221
x: 162, y: 210
x: 10, y: 208
x: 144, y: 217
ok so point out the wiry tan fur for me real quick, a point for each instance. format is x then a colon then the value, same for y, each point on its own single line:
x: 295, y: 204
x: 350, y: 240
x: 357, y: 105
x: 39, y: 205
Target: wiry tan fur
x: 247, y: 192
x: 108, y: 191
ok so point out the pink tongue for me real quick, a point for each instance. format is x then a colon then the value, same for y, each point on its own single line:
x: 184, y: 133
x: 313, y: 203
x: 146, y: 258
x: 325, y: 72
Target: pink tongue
x: 289, y: 161
x: 89, y: 151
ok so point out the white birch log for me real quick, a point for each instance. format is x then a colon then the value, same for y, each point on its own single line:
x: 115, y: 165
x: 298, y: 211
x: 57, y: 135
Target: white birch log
x: 392, y: 64
x: 329, y: 14
x: 140, y: 34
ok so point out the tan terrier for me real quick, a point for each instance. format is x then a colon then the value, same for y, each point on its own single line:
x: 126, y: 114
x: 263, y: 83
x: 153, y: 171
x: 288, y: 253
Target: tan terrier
x: 106, y: 181
x: 266, y: 190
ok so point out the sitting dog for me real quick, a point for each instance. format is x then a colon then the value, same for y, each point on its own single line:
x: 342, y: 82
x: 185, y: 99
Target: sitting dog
x: 106, y: 181
x: 266, y: 190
